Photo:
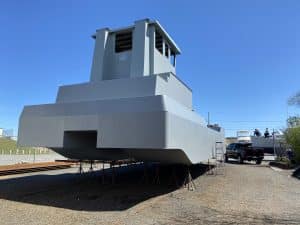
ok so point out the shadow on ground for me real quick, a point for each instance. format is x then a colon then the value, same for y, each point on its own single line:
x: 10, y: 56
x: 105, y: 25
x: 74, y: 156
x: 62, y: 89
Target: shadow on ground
x: 87, y: 191
x: 247, y: 163
x: 244, y: 163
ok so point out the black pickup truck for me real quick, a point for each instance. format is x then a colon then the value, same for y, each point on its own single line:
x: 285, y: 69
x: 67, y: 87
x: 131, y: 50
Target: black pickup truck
x: 244, y: 151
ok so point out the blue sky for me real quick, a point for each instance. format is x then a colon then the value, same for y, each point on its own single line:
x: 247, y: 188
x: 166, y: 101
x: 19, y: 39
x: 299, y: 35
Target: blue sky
x: 241, y: 58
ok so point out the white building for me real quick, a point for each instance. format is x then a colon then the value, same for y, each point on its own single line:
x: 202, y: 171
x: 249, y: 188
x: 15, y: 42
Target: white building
x: 134, y: 106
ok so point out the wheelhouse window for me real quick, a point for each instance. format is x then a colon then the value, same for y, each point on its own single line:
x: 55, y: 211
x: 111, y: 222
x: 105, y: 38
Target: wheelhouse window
x: 173, y: 58
x: 164, y: 48
x: 158, y: 42
x: 167, y: 50
x: 123, y: 42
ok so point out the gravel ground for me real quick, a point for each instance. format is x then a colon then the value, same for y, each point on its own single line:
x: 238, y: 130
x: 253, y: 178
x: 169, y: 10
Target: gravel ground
x: 245, y: 194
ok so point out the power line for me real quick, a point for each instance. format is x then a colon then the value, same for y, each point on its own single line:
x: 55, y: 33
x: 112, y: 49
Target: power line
x: 253, y: 121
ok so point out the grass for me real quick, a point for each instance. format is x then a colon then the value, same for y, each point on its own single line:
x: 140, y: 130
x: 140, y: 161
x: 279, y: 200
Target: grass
x: 283, y: 163
x: 8, y: 146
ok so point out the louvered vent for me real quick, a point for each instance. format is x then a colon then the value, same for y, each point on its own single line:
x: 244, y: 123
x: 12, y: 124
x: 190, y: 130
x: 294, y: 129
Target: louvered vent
x: 158, y: 42
x: 123, y: 42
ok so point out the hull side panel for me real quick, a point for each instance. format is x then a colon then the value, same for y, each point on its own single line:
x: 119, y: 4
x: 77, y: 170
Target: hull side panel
x: 166, y: 156
x: 154, y: 128
x: 197, y: 141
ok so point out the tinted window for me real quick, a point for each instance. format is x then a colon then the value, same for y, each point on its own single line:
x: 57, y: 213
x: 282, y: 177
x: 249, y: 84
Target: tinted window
x: 230, y: 147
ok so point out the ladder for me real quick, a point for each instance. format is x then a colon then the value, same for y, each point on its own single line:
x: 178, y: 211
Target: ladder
x: 220, y: 158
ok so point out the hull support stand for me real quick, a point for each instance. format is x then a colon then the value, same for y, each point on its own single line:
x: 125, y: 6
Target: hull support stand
x: 188, y: 181
x: 103, y: 173
x: 156, y: 177
x: 80, y: 170
x: 91, y: 166
x: 145, y: 177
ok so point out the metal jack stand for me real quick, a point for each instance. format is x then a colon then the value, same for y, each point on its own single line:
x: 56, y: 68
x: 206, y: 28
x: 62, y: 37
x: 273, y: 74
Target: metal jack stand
x: 80, y: 170
x: 112, y: 168
x: 103, y: 173
x: 210, y: 168
x: 145, y: 175
x: 156, y: 177
x: 189, y: 182
x: 91, y: 166
x: 174, y: 178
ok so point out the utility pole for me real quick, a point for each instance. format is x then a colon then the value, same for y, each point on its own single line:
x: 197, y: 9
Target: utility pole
x: 208, y: 118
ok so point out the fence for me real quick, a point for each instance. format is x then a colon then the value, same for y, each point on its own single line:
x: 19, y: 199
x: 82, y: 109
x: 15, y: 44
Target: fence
x: 26, y: 151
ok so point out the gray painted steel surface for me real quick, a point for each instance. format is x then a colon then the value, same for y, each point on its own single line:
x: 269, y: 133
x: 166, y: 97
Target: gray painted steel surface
x: 133, y: 107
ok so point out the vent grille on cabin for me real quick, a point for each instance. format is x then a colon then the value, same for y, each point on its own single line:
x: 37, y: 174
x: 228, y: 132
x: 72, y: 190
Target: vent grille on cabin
x: 159, y: 42
x: 123, y: 42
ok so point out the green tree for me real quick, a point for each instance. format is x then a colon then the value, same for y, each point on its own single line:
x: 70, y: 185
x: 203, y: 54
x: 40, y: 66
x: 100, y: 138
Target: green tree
x: 294, y: 100
x: 293, y: 121
x: 292, y: 137
x: 292, y: 133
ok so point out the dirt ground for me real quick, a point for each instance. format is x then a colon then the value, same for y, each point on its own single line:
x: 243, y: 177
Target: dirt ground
x: 245, y: 194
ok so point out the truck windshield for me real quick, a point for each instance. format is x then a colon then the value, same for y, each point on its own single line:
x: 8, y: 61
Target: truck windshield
x: 247, y: 145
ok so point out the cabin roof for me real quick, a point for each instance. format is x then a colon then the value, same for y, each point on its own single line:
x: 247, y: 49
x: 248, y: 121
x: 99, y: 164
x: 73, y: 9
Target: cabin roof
x: 158, y: 26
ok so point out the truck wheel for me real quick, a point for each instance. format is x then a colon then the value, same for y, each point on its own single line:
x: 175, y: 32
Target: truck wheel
x: 226, y: 158
x: 240, y: 159
x: 258, y: 161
